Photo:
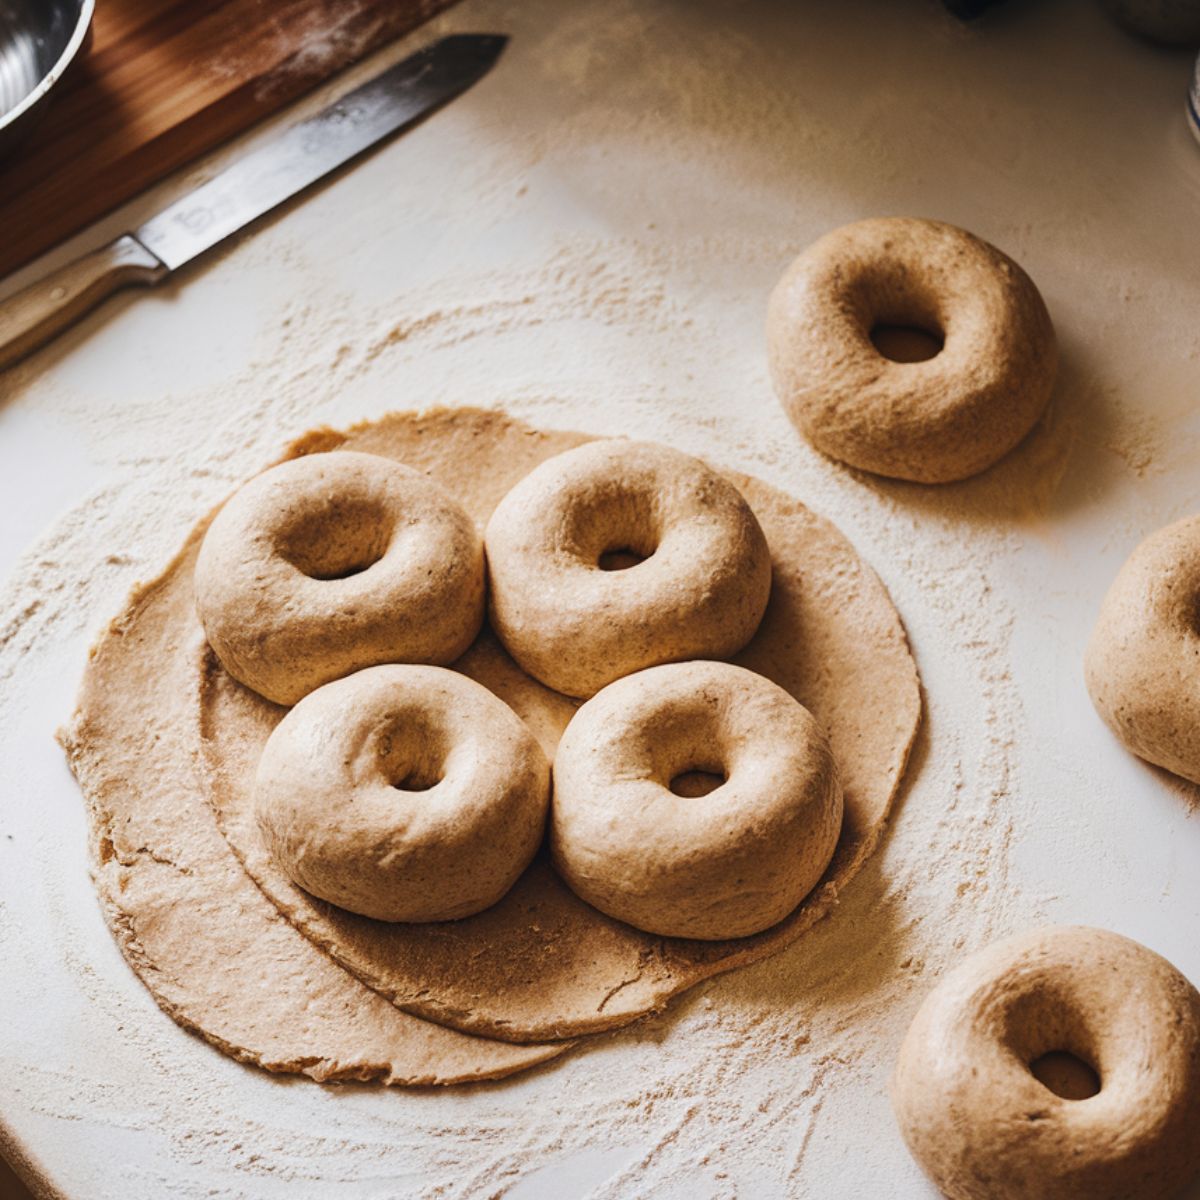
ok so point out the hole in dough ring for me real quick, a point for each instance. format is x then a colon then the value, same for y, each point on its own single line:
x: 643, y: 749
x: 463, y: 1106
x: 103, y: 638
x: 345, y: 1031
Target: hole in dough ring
x: 404, y: 793
x: 724, y: 865
x: 699, y: 591
x: 327, y: 564
x: 1140, y: 663
x: 932, y: 421
x: 981, y: 1124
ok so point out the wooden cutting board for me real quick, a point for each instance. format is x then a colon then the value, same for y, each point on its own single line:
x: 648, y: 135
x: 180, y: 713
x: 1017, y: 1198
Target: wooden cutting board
x: 164, y: 81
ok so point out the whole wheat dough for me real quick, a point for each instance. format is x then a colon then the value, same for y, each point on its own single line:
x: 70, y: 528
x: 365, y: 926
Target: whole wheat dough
x: 282, y: 587
x: 983, y: 1125
x: 211, y: 948
x: 541, y: 963
x: 633, y: 843
x: 404, y: 793
x: 699, y: 591
x: 1140, y: 663
x: 935, y: 421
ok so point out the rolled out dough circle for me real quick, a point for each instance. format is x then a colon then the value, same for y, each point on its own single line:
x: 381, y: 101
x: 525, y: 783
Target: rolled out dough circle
x: 210, y: 947
x: 542, y: 964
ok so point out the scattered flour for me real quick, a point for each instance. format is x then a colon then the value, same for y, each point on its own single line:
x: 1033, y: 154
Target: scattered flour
x: 588, y: 267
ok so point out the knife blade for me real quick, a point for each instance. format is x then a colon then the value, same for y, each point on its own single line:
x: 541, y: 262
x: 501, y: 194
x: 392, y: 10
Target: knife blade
x: 258, y: 182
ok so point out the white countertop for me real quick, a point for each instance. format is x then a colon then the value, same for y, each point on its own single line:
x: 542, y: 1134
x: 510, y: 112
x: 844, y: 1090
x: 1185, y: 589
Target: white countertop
x: 588, y: 238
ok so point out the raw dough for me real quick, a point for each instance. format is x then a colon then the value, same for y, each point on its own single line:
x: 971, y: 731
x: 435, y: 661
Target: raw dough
x: 322, y: 566
x: 984, y: 1127
x: 404, y: 793
x: 541, y: 963
x: 935, y: 421
x: 645, y: 849
x: 1141, y: 660
x: 698, y: 591
x: 212, y: 949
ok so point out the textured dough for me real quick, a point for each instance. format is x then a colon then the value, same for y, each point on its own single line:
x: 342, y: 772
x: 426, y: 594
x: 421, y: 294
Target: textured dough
x: 541, y: 963
x: 982, y: 1125
x: 699, y: 591
x: 211, y: 948
x: 322, y: 566
x: 404, y: 793
x: 722, y: 865
x: 1141, y: 661
x: 934, y: 421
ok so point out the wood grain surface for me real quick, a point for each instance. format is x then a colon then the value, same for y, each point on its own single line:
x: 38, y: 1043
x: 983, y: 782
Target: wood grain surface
x: 11, y: 1188
x: 165, y: 81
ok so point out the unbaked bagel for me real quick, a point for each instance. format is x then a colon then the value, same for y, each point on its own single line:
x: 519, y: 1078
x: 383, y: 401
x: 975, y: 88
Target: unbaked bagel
x: 1141, y: 661
x: 333, y: 562
x: 933, y: 421
x: 982, y: 1125
x: 565, y: 600
x: 634, y: 841
x: 404, y: 793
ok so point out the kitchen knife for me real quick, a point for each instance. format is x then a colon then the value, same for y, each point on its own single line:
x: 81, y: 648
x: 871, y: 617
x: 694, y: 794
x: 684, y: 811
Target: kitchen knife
x: 252, y: 186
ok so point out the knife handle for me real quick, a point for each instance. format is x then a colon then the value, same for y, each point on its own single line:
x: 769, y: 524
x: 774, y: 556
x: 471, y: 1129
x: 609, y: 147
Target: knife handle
x: 39, y: 312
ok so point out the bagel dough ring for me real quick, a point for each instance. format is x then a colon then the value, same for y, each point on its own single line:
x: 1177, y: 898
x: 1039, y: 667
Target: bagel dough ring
x: 935, y: 421
x: 700, y: 590
x: 334, y: 562
x: 723, y: 865
x: 981, y: 1124
x: 404, y: 793
x: 1141, y: 660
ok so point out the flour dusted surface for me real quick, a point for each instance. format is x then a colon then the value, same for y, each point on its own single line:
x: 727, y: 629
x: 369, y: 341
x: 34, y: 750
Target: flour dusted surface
x: 588, y: 240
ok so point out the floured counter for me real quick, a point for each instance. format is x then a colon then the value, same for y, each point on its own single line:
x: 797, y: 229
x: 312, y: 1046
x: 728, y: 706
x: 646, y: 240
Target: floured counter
x: 588, y: 240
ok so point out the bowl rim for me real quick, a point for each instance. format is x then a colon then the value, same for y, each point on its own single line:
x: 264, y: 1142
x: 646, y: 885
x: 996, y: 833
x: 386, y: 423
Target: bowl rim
x: 86, y: 9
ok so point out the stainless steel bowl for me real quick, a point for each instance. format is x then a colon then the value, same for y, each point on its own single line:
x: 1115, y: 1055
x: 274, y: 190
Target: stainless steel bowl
x: 39, y: 39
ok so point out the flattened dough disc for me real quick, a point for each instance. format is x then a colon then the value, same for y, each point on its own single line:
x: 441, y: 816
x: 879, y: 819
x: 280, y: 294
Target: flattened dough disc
x: 212, y: 949
x: 542, y: 964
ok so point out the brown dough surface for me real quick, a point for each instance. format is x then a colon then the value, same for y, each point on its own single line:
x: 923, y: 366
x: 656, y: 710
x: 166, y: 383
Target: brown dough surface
x: 1140, y: 663
x: 932, y: 421
x: 725, y: 865
x: 541, y: 963
x: 980, y: 1120
x: 212, y: 949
